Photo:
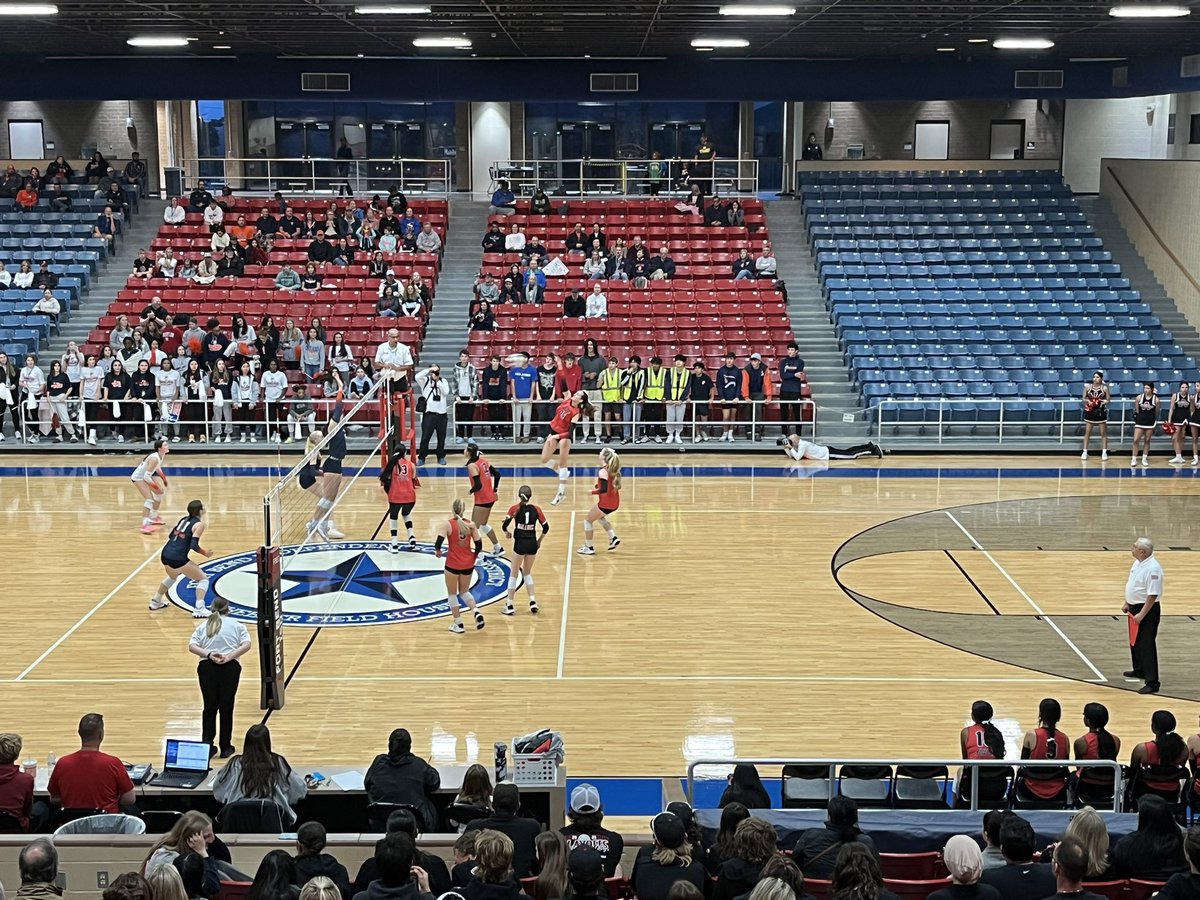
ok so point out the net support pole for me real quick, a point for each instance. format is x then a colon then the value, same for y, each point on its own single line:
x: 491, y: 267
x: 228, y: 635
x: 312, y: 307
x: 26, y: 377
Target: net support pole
x: 270, y: 628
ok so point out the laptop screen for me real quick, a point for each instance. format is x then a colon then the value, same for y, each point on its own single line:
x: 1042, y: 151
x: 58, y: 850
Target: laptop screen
x: 188, y: 755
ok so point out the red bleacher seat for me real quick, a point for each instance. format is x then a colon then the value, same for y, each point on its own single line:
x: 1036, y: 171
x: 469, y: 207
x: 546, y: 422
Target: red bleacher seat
x: 915, y: 889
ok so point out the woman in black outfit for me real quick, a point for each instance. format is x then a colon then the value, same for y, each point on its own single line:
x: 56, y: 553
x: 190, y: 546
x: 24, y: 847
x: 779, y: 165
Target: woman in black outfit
x: 857, y: 875
x: 732, y: 815
x: 266, y: 339
x: 1186, y: 885
x: 143, y: 387
x: 817, y: 849
x: 275, y: 879
x: 658, y: 867
x: 8, y: 379
x: 746, y: 787
x: 116, y: 390
x: 1155, y: 850
x: 754, y: 844
x: 195, y: 393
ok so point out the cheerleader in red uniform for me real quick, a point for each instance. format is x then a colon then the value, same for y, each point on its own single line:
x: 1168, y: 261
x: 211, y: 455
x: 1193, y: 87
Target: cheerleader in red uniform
x: 1096, y: 397
x: 558, y: 441
x: 399, y: 480
x: 608, y: 501
x: 525, y: 517
x: 464, y: 545
x: 483, y: 483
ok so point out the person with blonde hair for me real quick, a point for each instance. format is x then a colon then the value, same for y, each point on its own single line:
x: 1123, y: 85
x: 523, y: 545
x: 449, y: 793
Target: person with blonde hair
x: 166, y: 884
x: 192, y: 833
x: 219, y: 642
x: 16, y: 786
x: 320, y: 888
x: 669, y: 860
x: 766, y: 889
x: 493, y: 876
x: 1088, y: 828
x: 465, y: 545
x: 552, y: 881
x: 608, y: 501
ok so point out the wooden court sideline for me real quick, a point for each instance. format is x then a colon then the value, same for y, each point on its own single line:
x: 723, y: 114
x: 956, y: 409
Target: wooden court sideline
x: 717, y: 628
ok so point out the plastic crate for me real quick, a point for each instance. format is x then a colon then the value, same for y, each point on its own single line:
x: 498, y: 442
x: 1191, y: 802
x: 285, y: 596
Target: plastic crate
x: 532, y: 768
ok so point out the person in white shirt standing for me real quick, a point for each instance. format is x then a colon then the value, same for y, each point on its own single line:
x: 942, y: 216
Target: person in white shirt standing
x: 274, y: 387
x: 219, y: 642
x: 394, y: 361
x: 1143, y: 605
x: 436, y: 392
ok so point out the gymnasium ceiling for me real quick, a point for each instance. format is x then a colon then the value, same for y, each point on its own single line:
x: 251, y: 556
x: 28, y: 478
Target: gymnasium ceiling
x: 605, y: 28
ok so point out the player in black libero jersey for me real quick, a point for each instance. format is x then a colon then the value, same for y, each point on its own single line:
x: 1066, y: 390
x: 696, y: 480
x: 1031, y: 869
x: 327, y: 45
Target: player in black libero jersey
x: 526, y: 518
x: 184, y: 538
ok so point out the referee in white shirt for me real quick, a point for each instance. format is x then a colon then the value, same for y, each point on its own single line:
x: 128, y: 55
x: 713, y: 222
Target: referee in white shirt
x: 219, y: 642
x: 394, y: 361
x: 1143, y: 604
x: 435, y: 391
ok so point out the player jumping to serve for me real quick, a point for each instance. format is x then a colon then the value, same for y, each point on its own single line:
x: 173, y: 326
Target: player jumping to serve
x: 558, y: 441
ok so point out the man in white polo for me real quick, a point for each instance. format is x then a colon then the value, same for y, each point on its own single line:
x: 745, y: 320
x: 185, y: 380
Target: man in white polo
x: 1143, y: 596
x: 394, y: 361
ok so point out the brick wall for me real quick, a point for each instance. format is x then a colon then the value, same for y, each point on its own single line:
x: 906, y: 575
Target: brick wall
x: 72, y: 125
x: 883, y: 128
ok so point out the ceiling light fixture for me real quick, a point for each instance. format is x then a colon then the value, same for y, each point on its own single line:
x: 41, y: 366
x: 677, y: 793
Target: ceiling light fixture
x: 945, y: 49
x: 449, y: 42
x: 1022, y: 44
x: 403, y: 9
x: 222, y: 47
x: 977, y: 40
x: 1148, y: 11
x: 157, y: 40
x: 28, y: 9
x: 758, y: 10
x: 713, y: 43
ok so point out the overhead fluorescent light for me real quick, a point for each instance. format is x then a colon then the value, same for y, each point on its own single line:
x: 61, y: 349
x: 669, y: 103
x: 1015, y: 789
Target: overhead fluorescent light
x: 28, y: 9
x: 222, y: 47
x: 443, y: 42
x: 945, y: 49
x: 712, y: 43
x: 157, y: 40
x: 758, y: 10
x: 977, y: 40
x: 1148, y: 11
x: 1022, y: 44
x: 401, y: 9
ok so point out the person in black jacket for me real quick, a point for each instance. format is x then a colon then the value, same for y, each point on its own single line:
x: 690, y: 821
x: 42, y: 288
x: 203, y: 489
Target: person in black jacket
x: 402, y: 822
x: 493, y: 239
x: 400, y: 875
x: 493, y: 876
x: 400, y: 777
x: 670, y: 860
x: 1020, y: 877
x: 817, y: 849
x: 746, y: 787
x: 506, y: 804
x: 320, y: 250
x: 1155, y: 850
x: 1186, y: 885
x: 754, y: 844
x: 312, y: 861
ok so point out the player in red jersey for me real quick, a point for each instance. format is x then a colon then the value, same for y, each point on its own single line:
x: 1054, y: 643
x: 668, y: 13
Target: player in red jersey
x: 525, y: 518
x: 483, y: 483
x: 464, y: 546
x: 608, y: 501
x: 558, y: 441
x: 399, y: 480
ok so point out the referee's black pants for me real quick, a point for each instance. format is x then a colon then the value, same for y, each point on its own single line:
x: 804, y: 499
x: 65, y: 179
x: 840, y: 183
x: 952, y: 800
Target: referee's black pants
x: 218, y: 687
x: 1145, y: 648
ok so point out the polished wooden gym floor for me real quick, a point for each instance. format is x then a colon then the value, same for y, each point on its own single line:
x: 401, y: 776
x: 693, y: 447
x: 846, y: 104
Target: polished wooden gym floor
x: 773, y: 610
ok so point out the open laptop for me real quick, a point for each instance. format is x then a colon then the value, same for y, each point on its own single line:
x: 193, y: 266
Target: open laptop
x: 185, y: 766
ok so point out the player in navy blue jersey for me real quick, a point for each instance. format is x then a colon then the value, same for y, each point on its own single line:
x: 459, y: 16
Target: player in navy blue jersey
x: 175, y: 558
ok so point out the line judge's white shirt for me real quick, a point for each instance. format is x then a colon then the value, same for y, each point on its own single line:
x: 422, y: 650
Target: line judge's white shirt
x: 231, y: 635
x: 1145, y: 578
x: 400, y: 355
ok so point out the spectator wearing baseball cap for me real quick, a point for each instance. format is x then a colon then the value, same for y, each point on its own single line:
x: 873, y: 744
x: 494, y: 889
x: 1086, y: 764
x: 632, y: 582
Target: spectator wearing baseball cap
x: 585, y: 871
x: 658, y: 867
x: 586, y: 813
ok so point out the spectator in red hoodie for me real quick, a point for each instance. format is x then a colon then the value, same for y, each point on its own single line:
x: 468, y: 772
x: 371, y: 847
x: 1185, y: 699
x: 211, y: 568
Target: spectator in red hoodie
x: 16, y: 787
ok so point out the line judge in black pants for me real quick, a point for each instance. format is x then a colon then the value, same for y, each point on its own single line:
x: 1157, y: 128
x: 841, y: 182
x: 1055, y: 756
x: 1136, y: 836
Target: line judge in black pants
x: 435, y: 391
x: 1143, y: 604
x: 219, y: 642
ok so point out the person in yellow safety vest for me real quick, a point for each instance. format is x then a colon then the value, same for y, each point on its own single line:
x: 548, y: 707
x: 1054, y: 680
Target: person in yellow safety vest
x: 656, y: 392
x: 609, y: 385
x: 633, y: 394
x: 679, y: 381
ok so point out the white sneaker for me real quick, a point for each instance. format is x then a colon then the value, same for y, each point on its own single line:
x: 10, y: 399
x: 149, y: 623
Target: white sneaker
x: 1145, y: 462
x: 175, y: 440
x: 92, y: 437
x: 277, y: 439
x: 1176, y: 459
x: 200, y: 611
x: 254, y: 439
x: 2, y: 438
x: 559, y: 495
x: 496, y: 552
x: 1133, y: 462
x: 614, y: 542
x: 704, y: 435
x: 1103, y: 454
x: 457, y: 627
x: 508, y: 610
x: 120, y: 439
x: 394, y: 547
x: 1083, y: 455
x: 158, y: 604
x: 587, y: 551
x: 1196, y: 460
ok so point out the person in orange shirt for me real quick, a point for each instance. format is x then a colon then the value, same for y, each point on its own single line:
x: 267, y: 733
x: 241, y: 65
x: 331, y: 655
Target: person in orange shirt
x: 27, y: 197
x: 756, y: 387
x: 241, y: 232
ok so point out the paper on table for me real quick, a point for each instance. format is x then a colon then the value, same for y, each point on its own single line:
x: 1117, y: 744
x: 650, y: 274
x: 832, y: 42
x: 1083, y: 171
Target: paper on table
x: 349, y: 781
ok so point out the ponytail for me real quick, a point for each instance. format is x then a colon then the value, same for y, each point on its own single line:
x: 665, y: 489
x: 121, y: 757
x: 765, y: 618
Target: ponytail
x: 981, y: 714
x: 458, y: 507
x: 1096, y: 716
x: 524, y: 494
x: 612, y: 462
x: 1049, y: 714
x: 220, y: 609
x: 1171, y: 747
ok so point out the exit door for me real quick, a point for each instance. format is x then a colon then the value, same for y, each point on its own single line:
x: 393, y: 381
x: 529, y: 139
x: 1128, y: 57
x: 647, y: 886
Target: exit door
x: 1008, y: 139
x: 396, y: 141
x: 583, y: 141
x: 675, y: 140
x: 301, y: 141
x: 932, y: 140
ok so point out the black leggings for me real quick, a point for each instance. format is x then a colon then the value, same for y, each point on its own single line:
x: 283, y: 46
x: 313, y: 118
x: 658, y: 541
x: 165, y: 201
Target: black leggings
x: 400, y: 509
x: 14, y: 410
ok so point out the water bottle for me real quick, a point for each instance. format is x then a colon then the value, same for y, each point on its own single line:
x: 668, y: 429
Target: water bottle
x: 501, y: 762
x: 51, y: 760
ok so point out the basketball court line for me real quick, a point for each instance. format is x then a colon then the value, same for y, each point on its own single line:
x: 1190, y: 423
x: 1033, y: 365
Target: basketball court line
x: 91, y: 612
x: 562, y: 631
x: 663, y: 679
x: 1020, y: 590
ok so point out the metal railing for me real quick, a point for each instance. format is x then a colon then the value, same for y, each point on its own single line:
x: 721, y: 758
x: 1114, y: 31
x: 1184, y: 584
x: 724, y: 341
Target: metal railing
x: 621, y: 177
x: 1009, y: 418
x: 320, y: 176
x: 835, y: 764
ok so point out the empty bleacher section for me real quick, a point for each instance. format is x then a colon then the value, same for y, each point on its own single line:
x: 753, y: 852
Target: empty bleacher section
x: 979, y: 302
x: 701, y: 312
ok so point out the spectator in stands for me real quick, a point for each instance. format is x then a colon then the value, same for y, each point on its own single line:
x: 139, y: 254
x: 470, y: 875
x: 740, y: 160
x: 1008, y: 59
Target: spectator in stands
x: 574, y: 304
x: 312, y: 862
x: 136, y: 173
x: 1020, y: 877
x: 670, y: 859
x: 746, y: 787
x: 388, y: 242
x: 743, y: 266
x: 187, y: 268
x: 816, y: 850
x: 535, y: 284
x: 493, y: 239
x: 257, y: 773
x: 266, y: 223
x: 514, y: 241
x: 411, y: 304
x: 476, y: 790
x: 1155, y: 850
x: 510, y: 291
x: 577, y: 243
x: 539, y: 203
x: 505, y: 818
x: 231, y: 265
x: 615, y: 269
x: 114, y: 196
x: 167, y: 264
x: 213, y: 214
x: 714, y: 213
x: 241, y: 233
x: 276, y: 878
x: 391, y: 290
x: 219, y: 241
x: 378, y: 267
x: 38, y: 865
x: 59, y: 202
x: 59, y: 171
x: 310, y: 278
x: 34, y: 180
x: 662, y: 267
x: 399, y: 877
x: 410, y: 220
x: 402, y: 822
x: 192, y: 833
x: 408, y: 240
x: 483, y: 319
x: 1072, y: 864
x: 44, y: 278
x: 287, y: 279
x: 105, y: 183
x: 428, y: 240
x: 106, y: 225
x: 127, y: 886
x: 27, y: 198
x: 96, y: 167
x: 493, y: 877
x: 290, y: 224
x: 735, y: 215
x: 155, y: 310
x: 16, y: 786
x: 1088, y: 828
x: 23, y: 278
x: 89, y: 779
x: 401, y: 777
x: 596, y: 267
x: 485, y: 288
x: 48, y: 305
x: 965, y: 864
x: 503, y: 201
x: 32, y: 384
x: 753, y: 846
x: 206, y: 272
x: 10, y: 396
x: 1185, y: 885
x: 320, y: 250
x: 215, y: 344
x: 791, y: 388
x: 992, y: 857
x: 116, y: 337
x: 5, y: 276
x: 464, y: 860
x: 756, y: 388
x: 11, y: 183
x: 143, y: 266
x: 495, y: 390
x: 535, y: 250
x: 597, y: 304
x: 764, y: 263
x: 857, y: 875
x: 812, y: 150
x: 174, y: 214
x: 552, y: 880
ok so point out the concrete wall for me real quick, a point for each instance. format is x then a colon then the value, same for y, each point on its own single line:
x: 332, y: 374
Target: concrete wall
x: 72, y: 126
x: 1156, y: 204
x: 883, y: 128
x: 1132, y: 127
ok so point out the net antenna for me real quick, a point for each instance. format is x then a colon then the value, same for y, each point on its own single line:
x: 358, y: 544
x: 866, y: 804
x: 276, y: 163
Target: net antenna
x: 373, y: 426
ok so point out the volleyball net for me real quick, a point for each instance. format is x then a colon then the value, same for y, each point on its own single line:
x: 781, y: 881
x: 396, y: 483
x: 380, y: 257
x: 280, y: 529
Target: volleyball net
x: 305, y: 515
